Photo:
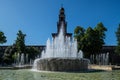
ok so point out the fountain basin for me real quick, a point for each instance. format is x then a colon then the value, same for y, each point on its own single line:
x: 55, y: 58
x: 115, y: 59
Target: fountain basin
x: 62, y: 64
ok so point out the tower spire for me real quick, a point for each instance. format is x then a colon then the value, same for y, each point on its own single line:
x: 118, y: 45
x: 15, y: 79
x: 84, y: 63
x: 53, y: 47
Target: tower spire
x: 62, y: 14
x: 62, y: 23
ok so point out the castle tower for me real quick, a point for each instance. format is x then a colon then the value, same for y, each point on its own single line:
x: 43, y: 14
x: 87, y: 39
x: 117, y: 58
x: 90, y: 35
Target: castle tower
x: 60, y: 22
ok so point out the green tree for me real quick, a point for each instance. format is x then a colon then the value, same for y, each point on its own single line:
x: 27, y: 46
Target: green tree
x: 117, y: 50
x: 90, y: 41
x: 101, y: 29
x: 2, y: 38
x: 20, y: 42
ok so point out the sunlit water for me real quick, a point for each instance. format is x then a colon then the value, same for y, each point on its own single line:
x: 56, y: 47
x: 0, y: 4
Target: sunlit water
x: 30, y: 75
x: 61, y: 46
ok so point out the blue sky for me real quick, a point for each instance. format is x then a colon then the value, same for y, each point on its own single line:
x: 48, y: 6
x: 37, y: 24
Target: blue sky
x: 37, y: 18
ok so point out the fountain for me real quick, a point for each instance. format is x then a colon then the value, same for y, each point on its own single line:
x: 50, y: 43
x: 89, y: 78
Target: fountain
x: 61, y: 52
x: 101, y: 59
x: 61, y: 47
x: 20, y: 60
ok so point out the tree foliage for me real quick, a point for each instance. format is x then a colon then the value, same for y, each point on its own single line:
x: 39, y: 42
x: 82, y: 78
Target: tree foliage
x: 90, y: 41
x: 32, y: 52
x: 117, y: 50
x: 20, y: 42
x: 2, y: 38
x: 9, y: 52
x: 100, y: 28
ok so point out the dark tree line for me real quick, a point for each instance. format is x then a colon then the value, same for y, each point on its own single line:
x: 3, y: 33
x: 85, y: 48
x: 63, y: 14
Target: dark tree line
x: 2, y: 40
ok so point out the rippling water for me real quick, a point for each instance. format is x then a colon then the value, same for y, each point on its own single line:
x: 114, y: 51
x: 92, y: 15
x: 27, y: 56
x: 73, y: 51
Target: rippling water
x: 30, y: 75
